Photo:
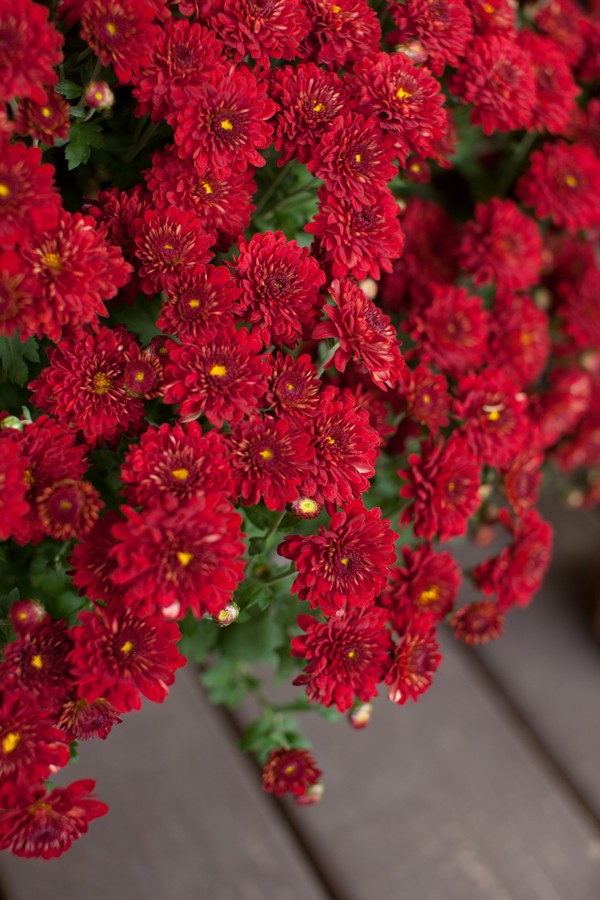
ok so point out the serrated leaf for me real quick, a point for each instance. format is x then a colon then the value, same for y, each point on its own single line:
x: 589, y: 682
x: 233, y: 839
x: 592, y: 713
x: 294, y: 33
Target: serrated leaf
x: 69, y: 89
x: 253, y: 641
x: 227, y: 683
x: 82, y: 137
x: 253, y: 592
x: 14, y: 355
x: 198, y: 638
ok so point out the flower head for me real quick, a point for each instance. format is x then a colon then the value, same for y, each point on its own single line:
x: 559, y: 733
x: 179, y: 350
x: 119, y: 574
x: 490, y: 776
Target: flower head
x: 290, y: 772
x: 200, y: 303
x: 30, y: 48
x: 427, y: 584
x: 169, y: 242
x: 478, y: 623
x: 29, y: 201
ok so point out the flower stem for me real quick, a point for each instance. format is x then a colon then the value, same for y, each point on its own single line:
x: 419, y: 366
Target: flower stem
x: 324, y: 365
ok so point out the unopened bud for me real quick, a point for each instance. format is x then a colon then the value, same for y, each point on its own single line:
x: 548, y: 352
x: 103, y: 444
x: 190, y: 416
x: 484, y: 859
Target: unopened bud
x: 313, y: 795
x: 484, y: 536
x: 360, y: 716
x: 306, y: 507
x: 369, y: 287
x: 98, y: 95
x: 24, y: 614
x: 228, y: 615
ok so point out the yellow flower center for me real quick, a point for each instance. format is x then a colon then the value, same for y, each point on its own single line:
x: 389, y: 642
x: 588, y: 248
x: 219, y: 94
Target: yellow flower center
x: 65, y: 505
x: 207, y: 187
x: 318, y: 107
x: 431, y: 595
x: 37, y: 662
x: 226, y: 125
x: 289, y: 770
x: 111, y: 28
x: 308, y: 505
x: 219, y: 371
x: 194, y: 304
x: 526, y: 338
x: 139, y: 375
x: 184, y: 558
x: 401, y: 94
x: 329, y: 439
x: 336, y: 9
x: 46, y: 112
x: 358, y: 157
x: 98, y: 95
x: 102, y: 384
x: 4, y: 190
x: 180, y: 474
x: 345, y: 560
x: 266, y: 454
x: 488, y: 8
x: 351, y: 654
x: 127, y: 647
x: 11, y: 741
x: 570, y: 181
x: 53, y: 262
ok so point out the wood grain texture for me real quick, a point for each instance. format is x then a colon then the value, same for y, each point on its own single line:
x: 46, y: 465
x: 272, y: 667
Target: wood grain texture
x: 188, y: 819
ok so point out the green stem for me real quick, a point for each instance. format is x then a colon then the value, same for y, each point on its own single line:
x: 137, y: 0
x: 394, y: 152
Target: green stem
x: 141, y: 143
x: 287, y: 574
x: 274, y: 526
x: 282, y: 175
x: 515, y: 165
x: 324, y: 365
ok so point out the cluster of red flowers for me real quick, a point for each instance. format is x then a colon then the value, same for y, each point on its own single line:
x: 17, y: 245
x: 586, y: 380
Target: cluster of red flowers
x: 443, y: 359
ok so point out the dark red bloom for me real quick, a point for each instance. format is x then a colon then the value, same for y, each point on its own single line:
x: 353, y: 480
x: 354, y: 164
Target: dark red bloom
x: 84, y: 386
x: 557, y: 410
x: 347, y: 656
x: 261, y: 30
x: 36, y: 664
x: 341, y: 35
x: 358, y: 238
x: 24, y: 614
x: 498, y: 17
x: 224, y: 378
x: 29, y: 742
x: 443, y: 27
x: 415, y: 663
x: 523, y: 479
x: 200, y: 303
x: 39, y: 823
x: 519, y: 338
x: 364, y: 333
x: 30, y: 48
x: 178, y: 556
x: 563, y: 183
x: 579, y: 310
x: 28, y: 198
x: 13, y: 486
x: 169, y: 242
x: 120, y: 33
x: 118, y: 655
x: 563, y: 20
x: 444, y: 487
x: 290, y: 772
x: 427, y: 584
x: 222, y: 121
x: 343, y: 565
x: 116, y: 211
x: 494, y: 411
x: 293, y: 386
x: 497, y: 77
x: 92, y: 562
x: 478, y: 623
x: 83, y: 720
x: 279, y: 287
x: 428, y: 398
x: 17, y: 292
x: 555, y: 87
x: 68, y: 509
x: 47, y: 121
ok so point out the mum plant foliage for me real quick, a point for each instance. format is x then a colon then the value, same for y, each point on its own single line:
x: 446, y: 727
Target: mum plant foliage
x: 292, y: 295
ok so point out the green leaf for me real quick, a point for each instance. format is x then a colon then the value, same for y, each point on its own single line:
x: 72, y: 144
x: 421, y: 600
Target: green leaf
x: 82, y: 137
x: 14, y: 355
x: 198, y: 638
x: 69, y: 89
x: 255, y: 593
x: 228, y: 682
x: 253, y: 641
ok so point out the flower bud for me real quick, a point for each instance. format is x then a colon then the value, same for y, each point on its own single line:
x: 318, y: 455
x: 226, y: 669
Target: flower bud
x: 360, y: 716
x: 98, y: 95
x: 306, y: 507
x: 228, y: 615
x: 24, y: 614
x: 313, y: 795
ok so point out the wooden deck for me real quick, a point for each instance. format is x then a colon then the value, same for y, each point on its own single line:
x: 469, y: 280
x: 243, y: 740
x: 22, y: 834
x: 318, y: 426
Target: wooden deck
x: 488, y: 789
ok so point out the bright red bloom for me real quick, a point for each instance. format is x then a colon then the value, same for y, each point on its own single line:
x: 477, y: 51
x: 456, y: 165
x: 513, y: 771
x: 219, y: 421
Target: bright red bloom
x: 30, y: 48
x: 24, y: 614
x: 563, y: 182
x: 354, y: 157
x: 36, y: 664
x: 406, y: 100
x: 92, y: 563
x: 270, y: 459
x: 68, y: 509
x: 341, y: 35
x: 347, y: 656
x: 579, y: 310
x: 168, y: 242
x: 523, y: 479
x: 427, y: 584
x: 83, y: 385
x: 478, y: 623
x: 224, y: 379
x: 39, y: 823
x: 180, y: 555
x: 519, y: 338
x: 47, y: 122
x: 115, y: 212
x: 363, y: 332
x: 261, y: 30
x: 346, y: 448
x: 494, y: 411
x: 279, y: 284
x: 563, y: 20
x: 293, y: 386
x: 358, y: 238
x: 29, y: 742
x: 555, y: 87
x: 450, y: 329
x: 120, y: 33
x: 178, y: 460
x: 309, y: 99
x: 77, y: 269
x: 502, y: 245
x: 497, y: 77
x: 200, y: 303
x: 222, y: 121
x: 13, y: 485
x: 493, y: 18
x: 28, y: 198
x: 428, y: 398
x: 343, y: 565
x: 517, y: 573
x: 443, y: 485
x: 416, y: 661
x: 118, y: 655
x: 290, y: 772
x: 443, y: 27
x: 82, y: 720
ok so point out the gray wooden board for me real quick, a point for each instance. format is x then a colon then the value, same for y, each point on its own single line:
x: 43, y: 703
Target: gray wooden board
x: 188, y: 820
x: 548, y: 662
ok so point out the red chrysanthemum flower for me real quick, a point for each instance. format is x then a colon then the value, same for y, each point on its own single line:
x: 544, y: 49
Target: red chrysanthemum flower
x: 557, y: 410
x: 347, y: 656
x: 68, y: 509
x: 279, y: 287
x: 28, y: 198
x: 293, y: 386
x: 168, y: 242
x: 269, y: 459
x: 261, y: 30
x: 180, y: 556
x: 498, y: 17
x: 354, y: 157
x: 497, y: 78
x: 30, y: 48
x: 13, y: 485
x: 416, y: 660
x: 39, y: 823
x: 478, y: 623
x: 358, y: 238
x: 346, y: 447
x: 341, y: 35
x: 502, y: 245
x: 77, y: 269
x: 222, y: 379
x: 563, y: 21
x: 48, y: 121
x: 24, y: 614
x: 373, y: 400
x: 181, y: 54
x: 29, y: 742
x: 222, y: 122
x: 519, y: 338
x: 345, y: 564
x: 523, y: 480
x: 450, y: 329
x: 443, y: 486
x: 36, y: 664
x: 555, y: 87
x: 494, y: 411
x: 428, y: 398
x: 363, y: 333
x: 92, y: 562
x: 83, y: 386
x: 18, y: 288
x: 83, y: 720
x: 563, y: 182
x: 120, y: 33
x: 115, y: 212
x: 444, y: 29
x: 220, y: 199
x: 118, y: 655
x: 290, y: 772
x: 308, y: 100
x: 200, y: 304
x: 406, y: 100
x: 579, y: 310
x: 427, y: 584
x: 178, y: 460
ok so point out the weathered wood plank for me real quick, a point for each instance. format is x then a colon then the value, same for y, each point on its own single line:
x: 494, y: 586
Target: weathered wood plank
x: 188, y: 819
